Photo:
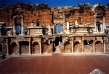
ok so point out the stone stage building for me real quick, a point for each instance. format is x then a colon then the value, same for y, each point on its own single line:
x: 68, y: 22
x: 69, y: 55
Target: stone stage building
x: 40, y: 29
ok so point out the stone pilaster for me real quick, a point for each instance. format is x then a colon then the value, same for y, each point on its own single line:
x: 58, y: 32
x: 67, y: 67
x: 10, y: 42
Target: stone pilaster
x: 82, y: 42
x: 40, y: 47
x: 93, y: 46
x: 7, y: 46
x: 72, y: 46
x: 29, y: 47
x: 18, y: 49
x: 104, y: 46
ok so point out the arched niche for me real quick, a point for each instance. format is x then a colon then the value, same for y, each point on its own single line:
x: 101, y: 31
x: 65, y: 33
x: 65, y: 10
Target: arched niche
x: 13, y: 48
x: 99, y: 46
x: 35, y: 47
x: 47, y: 47
x: 88, y: 45
x: 77, y: 46
x: 99, y: 10
x: 24, y: 47
x: 68, y: 46
x: 58, y: 28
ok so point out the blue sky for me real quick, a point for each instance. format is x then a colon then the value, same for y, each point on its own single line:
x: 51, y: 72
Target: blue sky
x: 56, y: 2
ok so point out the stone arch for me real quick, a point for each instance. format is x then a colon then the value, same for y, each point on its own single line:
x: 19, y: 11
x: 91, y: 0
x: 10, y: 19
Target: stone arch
x: 68, y: 46
x: 99, y: 46
x: 99, y: 9
x: 24, y: 47
x: 58, y: 28
x: 77, y: 46
x: 88, y: 45
x: 47, y: 48
x: 14, y: 48
x: 36, y: 47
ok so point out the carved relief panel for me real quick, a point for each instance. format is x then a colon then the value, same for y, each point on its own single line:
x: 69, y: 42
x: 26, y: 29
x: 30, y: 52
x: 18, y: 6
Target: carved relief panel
x: 36, y: 31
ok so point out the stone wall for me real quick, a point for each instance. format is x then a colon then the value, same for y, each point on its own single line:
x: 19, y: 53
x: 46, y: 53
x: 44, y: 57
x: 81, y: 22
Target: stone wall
x: 44, y: 15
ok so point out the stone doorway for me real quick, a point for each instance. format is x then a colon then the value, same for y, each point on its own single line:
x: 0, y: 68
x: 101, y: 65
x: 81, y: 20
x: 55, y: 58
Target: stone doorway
x: 58, y: 28
x: 58, y: 41
x: 99, y: 26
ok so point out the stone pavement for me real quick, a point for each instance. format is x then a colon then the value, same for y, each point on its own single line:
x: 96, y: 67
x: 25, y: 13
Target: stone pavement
x: 55, y: 63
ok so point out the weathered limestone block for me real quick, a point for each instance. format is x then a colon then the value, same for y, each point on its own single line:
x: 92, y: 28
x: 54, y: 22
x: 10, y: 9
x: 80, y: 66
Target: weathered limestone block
x: 24, y: 49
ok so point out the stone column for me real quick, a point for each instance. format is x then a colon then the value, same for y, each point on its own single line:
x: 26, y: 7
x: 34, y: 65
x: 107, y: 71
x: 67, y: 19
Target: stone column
x: 7, y: 46
x: 40, y: 47
x: 93, y: 46
x: 29, y: 48
x: 104, y: 46
x: 103, y: 25
x: 72, y: 46
x: 82, y: 42
x: 49, y: 30
x: 67, y: 28
x: 18, y: 50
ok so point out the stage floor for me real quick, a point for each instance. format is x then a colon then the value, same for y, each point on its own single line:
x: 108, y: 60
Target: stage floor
x: 55, y: 63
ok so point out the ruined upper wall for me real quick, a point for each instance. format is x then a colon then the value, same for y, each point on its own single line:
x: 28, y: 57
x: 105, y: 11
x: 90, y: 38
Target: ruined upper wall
x: 45, y: 15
